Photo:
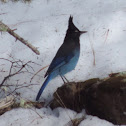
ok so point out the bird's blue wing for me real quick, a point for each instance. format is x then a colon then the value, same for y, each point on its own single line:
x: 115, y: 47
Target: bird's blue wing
x: 58, y: 62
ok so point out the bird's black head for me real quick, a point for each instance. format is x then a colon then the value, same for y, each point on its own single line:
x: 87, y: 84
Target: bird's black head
x: 73, y: 29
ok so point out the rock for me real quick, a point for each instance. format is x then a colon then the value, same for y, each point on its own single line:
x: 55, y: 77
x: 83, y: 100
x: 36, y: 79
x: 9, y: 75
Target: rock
x: 103, y: 98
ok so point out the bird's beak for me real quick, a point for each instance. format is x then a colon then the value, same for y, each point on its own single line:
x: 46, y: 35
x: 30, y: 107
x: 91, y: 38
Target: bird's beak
x: 81, y: 32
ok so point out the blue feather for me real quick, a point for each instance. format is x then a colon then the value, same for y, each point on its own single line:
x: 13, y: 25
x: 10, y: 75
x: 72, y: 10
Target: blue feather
x: 57, y: 62
x: 43, y: 87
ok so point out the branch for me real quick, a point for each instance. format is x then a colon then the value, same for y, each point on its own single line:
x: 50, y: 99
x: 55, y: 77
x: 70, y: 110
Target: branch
x: 5, y: 28
x: 10, y: 75
x: 38, y: 72
x: 92, y: 50
x: 106, y: 35
x: 19, y: 66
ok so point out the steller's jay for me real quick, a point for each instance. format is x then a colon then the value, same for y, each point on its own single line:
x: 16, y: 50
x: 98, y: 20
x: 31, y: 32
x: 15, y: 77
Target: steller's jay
x: 66, y: 57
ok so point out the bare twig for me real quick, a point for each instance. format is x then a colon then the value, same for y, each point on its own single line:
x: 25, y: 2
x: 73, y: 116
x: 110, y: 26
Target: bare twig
x: 38, y: 72
x: 106, y: 35
x: 2, y: 13
x: 22, y: 22
x: 10, y: 75
x: 5, y: 28
x: 92, y: 49
x: 17, y: 87
x: 19, y: 65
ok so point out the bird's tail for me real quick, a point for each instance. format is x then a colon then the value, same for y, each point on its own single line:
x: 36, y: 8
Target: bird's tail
x: 43, y: 87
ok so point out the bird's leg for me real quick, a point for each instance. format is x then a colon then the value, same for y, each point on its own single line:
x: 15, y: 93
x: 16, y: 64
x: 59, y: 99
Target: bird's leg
x: 63, y: 79
x: 66, y: 79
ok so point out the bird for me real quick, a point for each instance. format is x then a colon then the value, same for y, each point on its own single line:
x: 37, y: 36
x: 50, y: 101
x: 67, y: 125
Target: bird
x: 66, y: 57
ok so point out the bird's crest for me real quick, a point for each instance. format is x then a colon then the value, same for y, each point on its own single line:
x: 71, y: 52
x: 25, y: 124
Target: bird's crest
x: 71, y: 26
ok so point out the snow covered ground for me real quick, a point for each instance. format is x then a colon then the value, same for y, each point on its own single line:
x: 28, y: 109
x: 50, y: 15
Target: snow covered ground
x: 44, y: 24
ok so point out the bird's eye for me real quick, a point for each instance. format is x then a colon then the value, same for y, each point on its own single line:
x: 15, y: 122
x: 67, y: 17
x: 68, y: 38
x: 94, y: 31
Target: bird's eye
x: 76, y: 30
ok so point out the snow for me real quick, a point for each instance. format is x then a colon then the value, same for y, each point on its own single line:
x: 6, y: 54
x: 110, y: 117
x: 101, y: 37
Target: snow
x: 91, y: 121
x: 44, y: 24
x: 58, y: 117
